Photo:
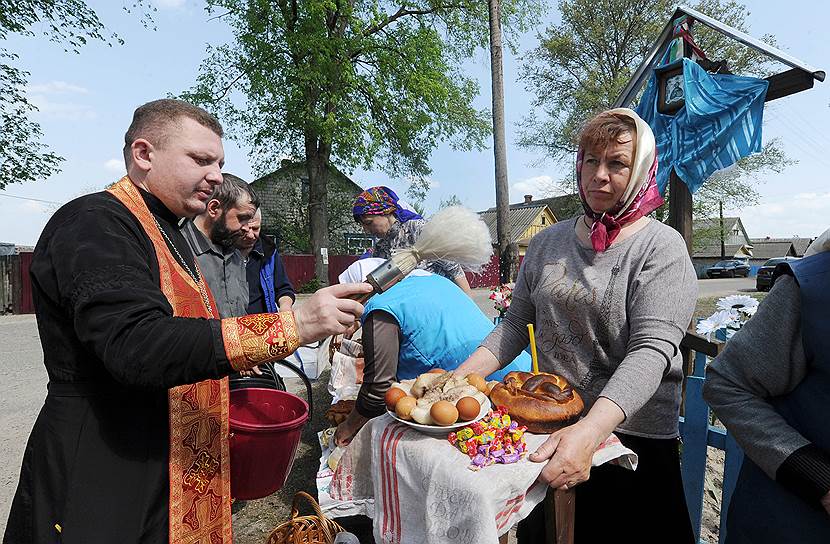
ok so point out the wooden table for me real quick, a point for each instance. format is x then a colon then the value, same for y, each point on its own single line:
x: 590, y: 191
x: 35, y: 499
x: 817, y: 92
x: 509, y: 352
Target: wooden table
x: 560, y: 507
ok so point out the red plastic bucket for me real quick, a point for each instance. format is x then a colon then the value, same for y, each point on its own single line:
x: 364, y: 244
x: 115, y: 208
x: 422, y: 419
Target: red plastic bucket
x: 265, y: 425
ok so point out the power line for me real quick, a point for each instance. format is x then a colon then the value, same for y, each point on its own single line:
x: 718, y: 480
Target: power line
x: 32, y: 199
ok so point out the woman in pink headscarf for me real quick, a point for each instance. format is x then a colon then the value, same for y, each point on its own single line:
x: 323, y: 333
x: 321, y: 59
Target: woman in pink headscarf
x: 611, y: 294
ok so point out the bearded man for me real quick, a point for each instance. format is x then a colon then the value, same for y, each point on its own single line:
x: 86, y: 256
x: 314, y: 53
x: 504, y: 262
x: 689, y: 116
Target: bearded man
x: 213, y: 236
x: 131, y: 445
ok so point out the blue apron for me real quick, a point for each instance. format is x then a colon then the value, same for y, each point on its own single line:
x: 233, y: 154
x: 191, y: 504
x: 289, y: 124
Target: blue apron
x: 440, y: 326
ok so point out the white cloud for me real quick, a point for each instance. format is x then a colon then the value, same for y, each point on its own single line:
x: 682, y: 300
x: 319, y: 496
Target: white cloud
x: 115, y: 165
x: 169, y: 4
x: 801, y: 214
x: 56, y: 87
x: 537, y: 186
x: 68, y: 111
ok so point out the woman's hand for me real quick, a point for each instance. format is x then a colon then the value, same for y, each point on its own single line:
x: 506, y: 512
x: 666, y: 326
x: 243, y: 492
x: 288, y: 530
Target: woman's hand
x: 825, y: 502
x: 571, y: 449
x: 347, y: 430
x: 569, y: 452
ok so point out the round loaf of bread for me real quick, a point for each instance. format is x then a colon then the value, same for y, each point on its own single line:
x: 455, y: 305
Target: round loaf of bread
x: 543, y: 403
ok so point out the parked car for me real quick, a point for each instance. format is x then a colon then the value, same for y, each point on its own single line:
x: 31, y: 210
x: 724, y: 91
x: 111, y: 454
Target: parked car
x: 764, y: 279
x: 728, y: 269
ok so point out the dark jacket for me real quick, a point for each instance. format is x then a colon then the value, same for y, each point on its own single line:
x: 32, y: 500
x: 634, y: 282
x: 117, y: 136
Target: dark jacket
x: 267, y: 279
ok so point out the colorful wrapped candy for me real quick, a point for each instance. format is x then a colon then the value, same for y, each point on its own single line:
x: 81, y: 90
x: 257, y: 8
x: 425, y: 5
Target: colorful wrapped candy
x: 494, y: 439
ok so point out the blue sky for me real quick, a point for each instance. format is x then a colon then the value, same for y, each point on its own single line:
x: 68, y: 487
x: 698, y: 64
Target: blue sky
x: 86, y: 102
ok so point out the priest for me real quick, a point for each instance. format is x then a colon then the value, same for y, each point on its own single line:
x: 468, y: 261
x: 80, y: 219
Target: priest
x: 131, y: 445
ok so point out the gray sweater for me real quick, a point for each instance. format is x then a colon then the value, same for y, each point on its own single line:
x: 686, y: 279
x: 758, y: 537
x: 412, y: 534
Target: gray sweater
x: 610, y: 323
x: 765, y: 359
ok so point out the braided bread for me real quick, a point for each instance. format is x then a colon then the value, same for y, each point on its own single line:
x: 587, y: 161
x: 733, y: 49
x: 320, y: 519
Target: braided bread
x: 543, y: 402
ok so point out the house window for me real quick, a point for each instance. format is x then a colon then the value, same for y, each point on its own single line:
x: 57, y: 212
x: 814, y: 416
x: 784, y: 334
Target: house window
x: 357, y: 243
x: 543, y: 220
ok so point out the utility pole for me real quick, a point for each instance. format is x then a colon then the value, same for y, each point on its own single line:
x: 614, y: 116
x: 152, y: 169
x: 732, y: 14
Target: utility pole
x: 506, y: 248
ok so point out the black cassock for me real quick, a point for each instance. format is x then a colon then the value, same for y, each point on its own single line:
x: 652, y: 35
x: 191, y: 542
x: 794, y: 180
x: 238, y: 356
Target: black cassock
x: 96, y: 463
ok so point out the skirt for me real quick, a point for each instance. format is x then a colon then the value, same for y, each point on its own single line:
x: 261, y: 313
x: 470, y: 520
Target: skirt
x: 621, y: 505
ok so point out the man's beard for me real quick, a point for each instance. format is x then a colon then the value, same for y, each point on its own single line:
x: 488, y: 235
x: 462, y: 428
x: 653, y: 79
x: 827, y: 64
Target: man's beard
x: 221, y: 235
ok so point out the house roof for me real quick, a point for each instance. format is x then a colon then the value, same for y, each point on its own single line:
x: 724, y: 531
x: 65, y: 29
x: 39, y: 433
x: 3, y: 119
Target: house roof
x: 714, y: 222
x: 712, y: 251
x: 288, y: 165
x: 563, y: 207
x: 770, y: 250
x: 521, y: 217
x: 800, y: 245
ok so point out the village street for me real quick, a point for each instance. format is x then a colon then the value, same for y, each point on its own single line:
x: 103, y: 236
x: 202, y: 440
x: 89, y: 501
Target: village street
x: 23, y: 386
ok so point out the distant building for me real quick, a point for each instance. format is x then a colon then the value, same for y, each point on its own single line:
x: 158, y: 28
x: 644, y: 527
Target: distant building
x: 527, y: 219
x: 800, y: 245
x: 7, y: 248
x: 284, y: 197
x: 706, y: 246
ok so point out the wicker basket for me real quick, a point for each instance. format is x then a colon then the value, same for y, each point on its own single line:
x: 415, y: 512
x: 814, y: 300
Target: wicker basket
x: 317, y: 529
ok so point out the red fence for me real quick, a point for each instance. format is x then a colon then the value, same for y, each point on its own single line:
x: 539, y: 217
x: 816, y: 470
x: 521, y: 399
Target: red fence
x: 489, y: 275
x: 300, y: 270
x: 15, y: 284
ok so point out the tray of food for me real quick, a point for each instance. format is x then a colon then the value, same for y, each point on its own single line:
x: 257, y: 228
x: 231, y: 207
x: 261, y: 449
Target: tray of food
x: 438, y: 402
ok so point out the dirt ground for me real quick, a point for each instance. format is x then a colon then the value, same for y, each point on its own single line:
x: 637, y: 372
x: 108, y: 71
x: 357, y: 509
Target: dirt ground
x: 254, y: 520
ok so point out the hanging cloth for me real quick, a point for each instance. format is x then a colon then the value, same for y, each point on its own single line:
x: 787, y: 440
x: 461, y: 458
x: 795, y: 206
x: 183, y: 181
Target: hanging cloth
x: 720, y: 123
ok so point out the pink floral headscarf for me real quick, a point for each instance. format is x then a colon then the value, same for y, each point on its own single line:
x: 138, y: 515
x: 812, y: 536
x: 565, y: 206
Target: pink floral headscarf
x: 641, y: 195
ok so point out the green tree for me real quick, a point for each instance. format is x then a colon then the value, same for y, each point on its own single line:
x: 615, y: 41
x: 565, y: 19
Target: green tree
x: 453, y: 200
x: 417, y: 193
x: 23, y: 157
x: 582, y: 64
x: 349, y: 82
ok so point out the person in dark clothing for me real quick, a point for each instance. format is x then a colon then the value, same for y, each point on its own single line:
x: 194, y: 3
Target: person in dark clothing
x: 131, y: 444
x: 770, y: 386
x: 269, y: 288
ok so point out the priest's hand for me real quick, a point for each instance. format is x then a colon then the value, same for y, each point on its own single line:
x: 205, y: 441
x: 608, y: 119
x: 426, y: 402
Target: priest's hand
x: 329, y: 311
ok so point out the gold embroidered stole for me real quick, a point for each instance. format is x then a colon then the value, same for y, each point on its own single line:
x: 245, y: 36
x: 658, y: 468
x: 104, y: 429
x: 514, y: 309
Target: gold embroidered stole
x: 199, y: 465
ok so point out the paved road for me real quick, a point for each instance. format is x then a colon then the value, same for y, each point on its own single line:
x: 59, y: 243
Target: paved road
x: 23, y: 389
x: 719, y: 287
